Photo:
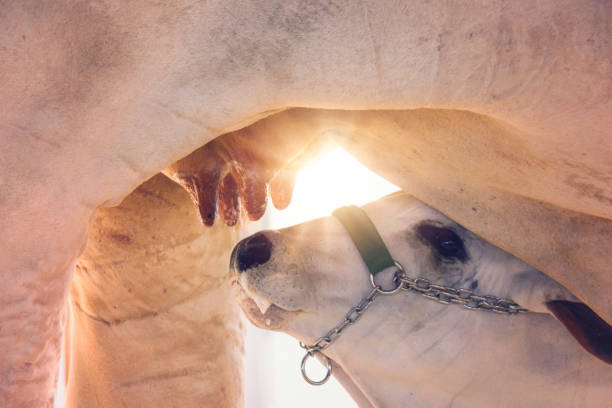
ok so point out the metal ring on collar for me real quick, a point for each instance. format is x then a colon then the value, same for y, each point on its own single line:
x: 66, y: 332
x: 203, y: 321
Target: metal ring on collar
x: 396, y: 280
x: 303, y: 367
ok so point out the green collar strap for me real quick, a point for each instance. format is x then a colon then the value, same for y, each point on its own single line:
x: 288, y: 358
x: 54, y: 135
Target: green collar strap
x: 366, y: 238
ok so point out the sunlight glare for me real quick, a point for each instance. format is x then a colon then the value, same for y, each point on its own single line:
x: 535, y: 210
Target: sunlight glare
x: 332, y: 180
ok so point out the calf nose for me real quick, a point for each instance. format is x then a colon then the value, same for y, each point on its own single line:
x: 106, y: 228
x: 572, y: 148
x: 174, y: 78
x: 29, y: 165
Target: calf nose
x: 253, y: 251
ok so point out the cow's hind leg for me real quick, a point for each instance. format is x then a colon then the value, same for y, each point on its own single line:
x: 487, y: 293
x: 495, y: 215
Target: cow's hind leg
x: 152, y: 320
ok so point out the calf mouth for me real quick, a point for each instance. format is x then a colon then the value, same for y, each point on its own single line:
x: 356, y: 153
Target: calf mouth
x: 259, y: 311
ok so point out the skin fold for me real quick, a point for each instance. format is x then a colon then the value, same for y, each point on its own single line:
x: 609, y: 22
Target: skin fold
x: 152, y: 323
x: 406, y: 349
x: 98, y: 97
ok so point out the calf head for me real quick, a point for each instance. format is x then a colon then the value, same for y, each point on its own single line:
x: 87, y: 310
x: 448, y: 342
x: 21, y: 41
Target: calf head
x: 302, y: 280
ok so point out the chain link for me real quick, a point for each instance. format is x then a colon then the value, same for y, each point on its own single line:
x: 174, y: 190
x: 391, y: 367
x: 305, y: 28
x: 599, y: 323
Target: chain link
x: 353, y: 315
x: 464, y: 297
x: 442, y: 294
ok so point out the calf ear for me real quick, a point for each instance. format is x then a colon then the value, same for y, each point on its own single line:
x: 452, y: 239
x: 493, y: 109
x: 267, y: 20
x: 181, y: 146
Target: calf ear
x: 591, y: 331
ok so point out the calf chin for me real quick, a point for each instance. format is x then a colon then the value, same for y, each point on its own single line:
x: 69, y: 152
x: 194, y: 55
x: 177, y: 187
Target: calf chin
x: 274, y: 318
x: 271, y: 317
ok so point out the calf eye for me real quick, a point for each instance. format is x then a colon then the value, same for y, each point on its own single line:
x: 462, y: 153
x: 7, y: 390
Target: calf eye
x: 449, y: 247
x: 444, y: 241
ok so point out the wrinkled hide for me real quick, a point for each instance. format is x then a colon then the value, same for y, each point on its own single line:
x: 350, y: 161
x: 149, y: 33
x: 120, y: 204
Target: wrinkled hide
x: 152, y: 323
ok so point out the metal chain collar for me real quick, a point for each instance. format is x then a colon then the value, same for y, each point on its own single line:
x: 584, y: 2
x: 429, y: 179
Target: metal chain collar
x: 441, y: 294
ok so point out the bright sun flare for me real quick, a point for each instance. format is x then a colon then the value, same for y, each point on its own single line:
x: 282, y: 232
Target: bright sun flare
x: 334, y: 179
x: 273, y: 379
